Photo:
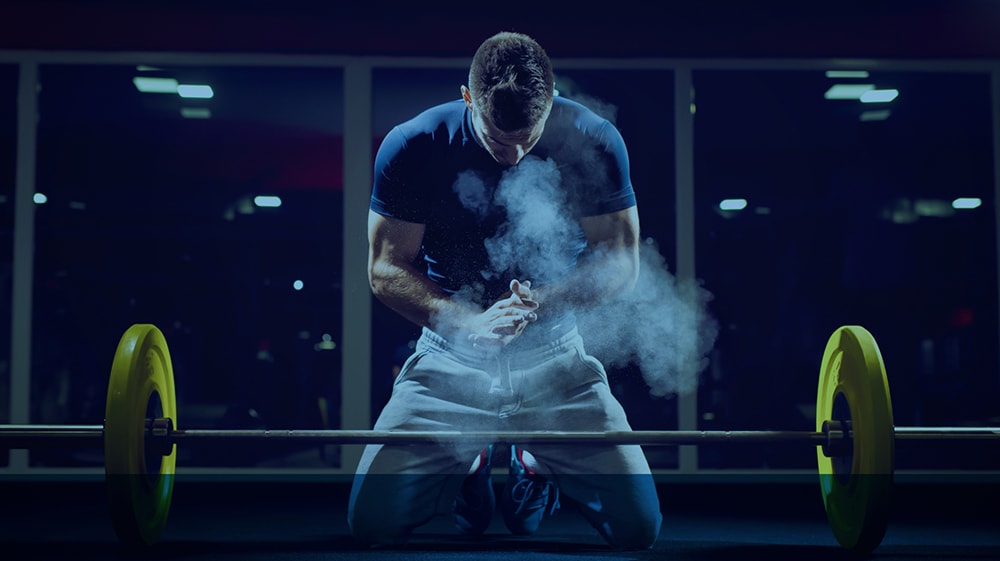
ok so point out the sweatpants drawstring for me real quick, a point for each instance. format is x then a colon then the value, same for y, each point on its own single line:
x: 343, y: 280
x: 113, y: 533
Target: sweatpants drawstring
x: 501, y: 382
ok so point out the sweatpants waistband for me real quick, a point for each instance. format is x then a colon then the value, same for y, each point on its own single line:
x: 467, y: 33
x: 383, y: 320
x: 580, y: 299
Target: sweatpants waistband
x: 520, y: 353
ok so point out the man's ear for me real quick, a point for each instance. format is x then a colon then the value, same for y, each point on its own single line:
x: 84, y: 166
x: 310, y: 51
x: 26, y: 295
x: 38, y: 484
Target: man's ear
x: 467, y: 97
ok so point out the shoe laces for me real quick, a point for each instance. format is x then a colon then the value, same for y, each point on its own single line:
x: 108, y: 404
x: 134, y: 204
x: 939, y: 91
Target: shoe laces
x: 528, y: 491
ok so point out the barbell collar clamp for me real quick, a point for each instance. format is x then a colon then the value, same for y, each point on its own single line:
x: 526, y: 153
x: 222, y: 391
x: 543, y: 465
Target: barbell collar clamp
x: 839, y: 438
x: 159, y: 431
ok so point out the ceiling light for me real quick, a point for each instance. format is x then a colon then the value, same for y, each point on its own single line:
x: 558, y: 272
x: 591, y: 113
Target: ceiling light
x: 966, y: 203
x: 155, y: 85
x: 879, y: 96
x: 40, y: 199
x: 933, y: 208
x: 268, y: 201
x: 196, y: 112
x: 733, y: 204
x: 846, y: 73
x: 879, y: 115
x: 848, y: 91
x: 195, y: 91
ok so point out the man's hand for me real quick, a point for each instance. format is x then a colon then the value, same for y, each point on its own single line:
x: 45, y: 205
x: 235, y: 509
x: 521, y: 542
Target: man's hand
x: 506, y: 319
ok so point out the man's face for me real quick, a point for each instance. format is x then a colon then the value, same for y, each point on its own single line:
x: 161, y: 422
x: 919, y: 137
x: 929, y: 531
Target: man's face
x: 507, y: 148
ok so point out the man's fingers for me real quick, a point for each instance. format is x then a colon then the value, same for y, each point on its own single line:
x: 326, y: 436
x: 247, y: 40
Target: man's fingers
x: 515, y: 315
x: 511, y: 321
x: 506, y: 318
x: 522, y: 289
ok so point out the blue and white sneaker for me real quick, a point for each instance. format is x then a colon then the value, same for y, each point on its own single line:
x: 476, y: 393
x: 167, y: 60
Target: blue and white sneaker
x: 475, y: 502
x: 526, y: 496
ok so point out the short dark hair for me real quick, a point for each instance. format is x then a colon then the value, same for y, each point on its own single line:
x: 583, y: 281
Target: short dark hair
x: 511, y: 81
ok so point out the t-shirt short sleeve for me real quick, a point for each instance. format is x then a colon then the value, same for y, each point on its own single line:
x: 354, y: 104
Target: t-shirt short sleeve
x: 396, y: 167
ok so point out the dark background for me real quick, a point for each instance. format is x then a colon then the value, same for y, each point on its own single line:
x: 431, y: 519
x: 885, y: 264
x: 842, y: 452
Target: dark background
x: 163, y: 239
x: 876, y: 29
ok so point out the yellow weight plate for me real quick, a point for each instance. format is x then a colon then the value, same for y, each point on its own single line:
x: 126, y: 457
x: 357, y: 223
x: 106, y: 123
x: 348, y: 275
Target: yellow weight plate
x: 856, y: 488
x: 140, y: 482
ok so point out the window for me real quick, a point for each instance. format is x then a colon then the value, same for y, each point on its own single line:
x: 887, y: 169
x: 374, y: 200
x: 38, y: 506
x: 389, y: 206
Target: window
x: 207, y: 201
x: 815, y: 211
x: 8, y: 156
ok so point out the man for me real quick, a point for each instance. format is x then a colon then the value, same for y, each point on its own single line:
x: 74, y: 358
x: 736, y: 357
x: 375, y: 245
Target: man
x: 492, y: 219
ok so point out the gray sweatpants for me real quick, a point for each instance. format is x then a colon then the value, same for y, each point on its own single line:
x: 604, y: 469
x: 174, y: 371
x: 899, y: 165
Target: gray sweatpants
x: 527, y: 387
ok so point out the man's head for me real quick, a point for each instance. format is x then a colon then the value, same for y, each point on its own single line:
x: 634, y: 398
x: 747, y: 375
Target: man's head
x: 510, y: 94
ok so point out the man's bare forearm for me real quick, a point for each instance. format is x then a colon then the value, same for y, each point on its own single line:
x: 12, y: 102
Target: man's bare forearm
x: 417, y: 298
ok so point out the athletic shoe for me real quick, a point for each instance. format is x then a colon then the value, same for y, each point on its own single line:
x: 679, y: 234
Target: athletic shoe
x: 526, y: 496
x: 475, y: 503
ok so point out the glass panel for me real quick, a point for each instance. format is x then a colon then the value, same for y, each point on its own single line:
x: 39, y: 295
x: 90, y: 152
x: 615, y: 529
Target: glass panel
x: 623, y: 96
x: 846, y: 212
x: 399, y: 94
x: 153, y: 214
x: 8, y: 156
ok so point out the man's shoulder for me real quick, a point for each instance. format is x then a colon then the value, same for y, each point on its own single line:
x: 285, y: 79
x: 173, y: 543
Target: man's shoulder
x: 572, y: 126
x: 448, y: 115
x: 573, y: 122
x: 568, y: 112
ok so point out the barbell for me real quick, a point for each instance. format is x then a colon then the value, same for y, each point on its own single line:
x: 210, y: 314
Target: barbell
x: 854, y: 436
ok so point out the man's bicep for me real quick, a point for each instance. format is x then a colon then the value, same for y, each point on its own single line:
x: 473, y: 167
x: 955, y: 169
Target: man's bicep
x: 613, y: 239
x: 615, y: 229
x: 393, y: 241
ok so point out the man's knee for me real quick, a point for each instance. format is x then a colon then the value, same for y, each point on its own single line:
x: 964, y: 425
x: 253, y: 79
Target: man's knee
x: 639, y: 533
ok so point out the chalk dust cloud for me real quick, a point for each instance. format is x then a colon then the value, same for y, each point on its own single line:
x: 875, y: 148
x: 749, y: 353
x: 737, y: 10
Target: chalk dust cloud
x: 662, y: 326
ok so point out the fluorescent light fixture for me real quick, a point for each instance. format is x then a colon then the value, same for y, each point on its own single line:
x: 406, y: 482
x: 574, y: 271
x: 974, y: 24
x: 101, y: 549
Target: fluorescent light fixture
x: 196, y: 112
x: 879, y: 96
x: 267, y: 201
x: 966, y: 203
x: 846, y: 73
x: 879, y: 115
x: 40, y: 199
x: 298, y: 285
x: 847, y: 91
x: 933, y: 208
x: 195, y: 91
x: 733, y: 204
x: 147, y: 68
x: 155, y: 85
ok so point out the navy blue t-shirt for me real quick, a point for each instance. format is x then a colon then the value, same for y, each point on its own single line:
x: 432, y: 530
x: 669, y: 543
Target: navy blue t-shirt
x: 487, y: 223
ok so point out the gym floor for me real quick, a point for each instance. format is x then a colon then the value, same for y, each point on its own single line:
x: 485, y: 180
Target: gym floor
x: 705, y: 521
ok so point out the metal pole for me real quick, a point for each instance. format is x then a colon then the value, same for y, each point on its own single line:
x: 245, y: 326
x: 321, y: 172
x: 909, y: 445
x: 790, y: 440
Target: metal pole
x: 24, y: 253
x: 947, y: 433
x: 31, y: 436
x: 539, y: 437
x: 27, y: 437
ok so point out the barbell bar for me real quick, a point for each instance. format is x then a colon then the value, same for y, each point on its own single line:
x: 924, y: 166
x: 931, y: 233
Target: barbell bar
x: 854, y: 437
x: 92, y: 436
